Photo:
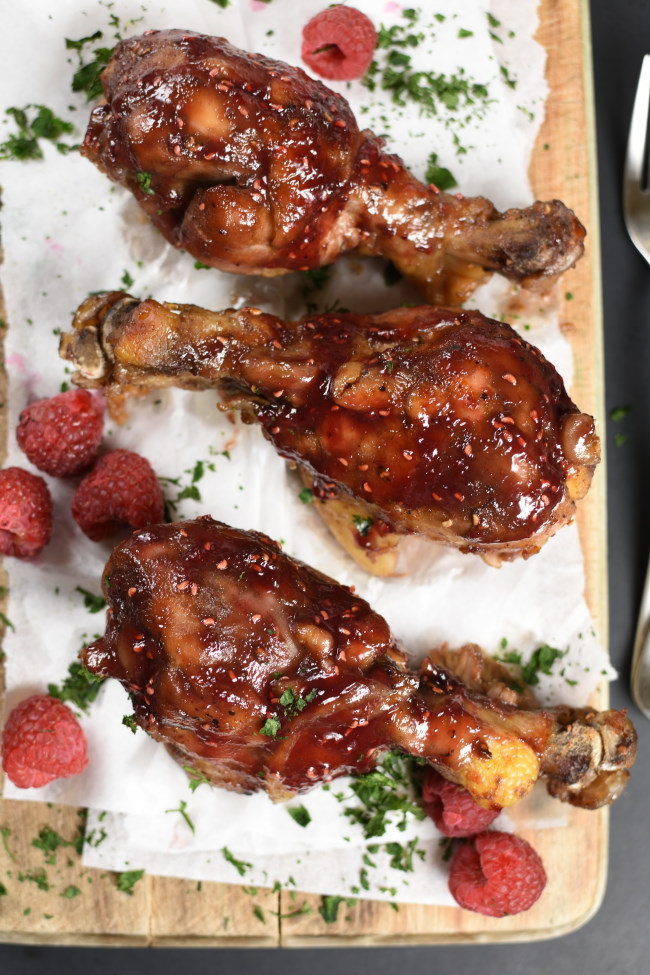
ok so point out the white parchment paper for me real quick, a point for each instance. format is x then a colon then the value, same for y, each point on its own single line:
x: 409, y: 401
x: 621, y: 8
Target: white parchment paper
x: 66, y: 232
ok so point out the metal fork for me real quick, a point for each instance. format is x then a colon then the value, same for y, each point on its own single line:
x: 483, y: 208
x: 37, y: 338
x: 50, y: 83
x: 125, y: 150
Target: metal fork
x: 636, y: 209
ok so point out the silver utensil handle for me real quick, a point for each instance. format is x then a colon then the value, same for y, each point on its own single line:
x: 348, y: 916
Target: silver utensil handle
x: 640, y: 677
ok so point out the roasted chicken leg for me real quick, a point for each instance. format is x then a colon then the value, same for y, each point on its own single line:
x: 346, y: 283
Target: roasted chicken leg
x: 426, y: 421
x: 253, y: 167
x: 260, y: 673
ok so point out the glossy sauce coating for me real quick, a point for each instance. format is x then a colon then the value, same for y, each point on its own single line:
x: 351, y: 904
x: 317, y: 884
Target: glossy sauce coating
x: 261, y: 673
x: 252, y: 166
x: 441, y: 422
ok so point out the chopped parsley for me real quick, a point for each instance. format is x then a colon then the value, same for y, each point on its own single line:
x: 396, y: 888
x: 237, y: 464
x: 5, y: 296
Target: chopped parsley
x: 292, y: 703
x: 144, y: 179
x: 5, y: 832
x: 182, y: 809
x: 435, y: 93
x: 80, y: 687
x: 271, y: 726
x: 362, y: 525
x: 129, y: 722
x: 438, y: 176
x: 241, y: 866
x: 92, y: 602
x: 306, y: 495
x: 24, y: 144
x: 126, y: 280
x: 87, y: 77
x: 70, y: 892
x: 127, y: 880
x: 540, y: 661
x: 386, y: 790
x: 329, y: 906
x: 618, y: 413
x: 196, y: 778
x: 299, y: 814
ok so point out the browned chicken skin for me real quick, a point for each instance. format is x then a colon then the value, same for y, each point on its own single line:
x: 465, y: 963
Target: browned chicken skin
x: 260, y: 673
x: 436, y: 422
x: 254, y: 167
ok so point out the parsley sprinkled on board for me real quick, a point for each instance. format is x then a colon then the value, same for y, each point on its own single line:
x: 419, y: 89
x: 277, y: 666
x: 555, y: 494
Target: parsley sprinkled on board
x: 80, y: 687
x: 24, y: 143
x: 182, y: 809
x: 299, y: 814
x: 5, y: 833
x: 393, y: 71
x: 87, y: 77
x: 196, y: 778
x: 386, y: 790
x: 306, y: 495
x: 127, y: 880
x: 540, y: 661
x: 70, y: 892
x: 129, y: 721
x: 241, y: 866
x: 92, y: 602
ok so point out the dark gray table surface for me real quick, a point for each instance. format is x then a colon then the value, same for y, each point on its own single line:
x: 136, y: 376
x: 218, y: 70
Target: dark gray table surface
x: 617, y: 939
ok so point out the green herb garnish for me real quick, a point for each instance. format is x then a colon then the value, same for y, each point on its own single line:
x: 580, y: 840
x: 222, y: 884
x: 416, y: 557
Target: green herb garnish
x: 299, y: 814
x: 362, y: 525
x: 127, y: 880
x: 92, y: 602
x: 438, y: 176
x: 241, y: 866
x: 80, y: 687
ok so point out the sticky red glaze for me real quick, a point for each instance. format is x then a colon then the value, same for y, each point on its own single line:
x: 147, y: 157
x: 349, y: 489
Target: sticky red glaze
x: 252, y: 166
x: 444, y: 422
x: 208, y: 627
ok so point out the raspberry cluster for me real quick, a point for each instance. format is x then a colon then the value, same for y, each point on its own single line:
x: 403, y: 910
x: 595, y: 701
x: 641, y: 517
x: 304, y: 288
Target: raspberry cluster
x: 491, y: 872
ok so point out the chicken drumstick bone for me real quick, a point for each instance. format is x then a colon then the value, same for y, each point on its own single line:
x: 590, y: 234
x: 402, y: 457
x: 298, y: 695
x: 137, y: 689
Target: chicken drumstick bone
x: 416, y: 421
x: 260, y: 673
x: 253, y: 167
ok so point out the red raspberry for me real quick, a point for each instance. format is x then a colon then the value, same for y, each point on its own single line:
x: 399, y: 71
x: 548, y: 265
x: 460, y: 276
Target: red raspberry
x: 452, y: 807
x: 339, y: 43
x: 61, y: 435
x: 42, y: 741
x: 25, y: 513
x: 496, y: 874
x: 122, y: 488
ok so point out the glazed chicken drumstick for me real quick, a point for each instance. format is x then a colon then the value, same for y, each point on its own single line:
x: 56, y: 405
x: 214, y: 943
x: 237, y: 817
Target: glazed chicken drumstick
x: 436, y: 422
x: 253, y: 167
x: 260, y: 673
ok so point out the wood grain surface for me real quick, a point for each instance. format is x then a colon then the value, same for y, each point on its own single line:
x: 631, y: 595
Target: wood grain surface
x: 52, y: 899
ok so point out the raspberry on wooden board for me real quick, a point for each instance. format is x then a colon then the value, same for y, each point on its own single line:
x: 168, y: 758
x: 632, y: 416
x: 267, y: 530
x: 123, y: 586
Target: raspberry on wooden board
x: 122, y: 489
x: 496, y: 874
x: 61, y: 435
x: 339, y: 43
x: 42, y: 741
x: 25, y: 513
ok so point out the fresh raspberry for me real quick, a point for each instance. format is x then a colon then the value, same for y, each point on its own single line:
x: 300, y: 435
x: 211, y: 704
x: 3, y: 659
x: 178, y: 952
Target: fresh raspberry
x: 61, y: 435
x: 25, y: 513
x: 122, y: 488
x: 339, y: 43
x: 496, y: 874
x: 42, y: 741
x: 452, y: 807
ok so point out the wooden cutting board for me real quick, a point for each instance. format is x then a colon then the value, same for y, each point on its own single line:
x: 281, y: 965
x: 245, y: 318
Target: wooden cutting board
x: 52, y: 899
